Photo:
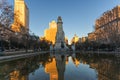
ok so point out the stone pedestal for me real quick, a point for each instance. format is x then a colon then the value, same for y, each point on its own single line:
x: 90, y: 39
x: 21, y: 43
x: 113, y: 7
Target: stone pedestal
x: 73, y: 47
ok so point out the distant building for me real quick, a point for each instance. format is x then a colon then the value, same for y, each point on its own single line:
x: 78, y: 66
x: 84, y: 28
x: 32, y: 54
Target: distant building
x: 21, y: 17
x: 91, y: 37
x: 75, y: 39
x: 84, y: 39
x: 80, y: 40
x: 50, y: 33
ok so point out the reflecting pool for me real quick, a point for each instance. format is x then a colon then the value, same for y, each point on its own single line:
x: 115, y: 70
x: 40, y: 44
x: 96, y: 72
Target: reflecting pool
x: 62, y: 66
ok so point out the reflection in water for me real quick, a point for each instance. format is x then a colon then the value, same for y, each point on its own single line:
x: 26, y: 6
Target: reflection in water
x: 60, y: 63
x: 20, y: 69
x: 56, y: 68
x: 107, y: 66
x: 52, y: 70
x: 62, y: 66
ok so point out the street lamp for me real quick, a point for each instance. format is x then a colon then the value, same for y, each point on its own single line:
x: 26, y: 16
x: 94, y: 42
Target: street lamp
x: 1, y: 44
x: 26, y: 41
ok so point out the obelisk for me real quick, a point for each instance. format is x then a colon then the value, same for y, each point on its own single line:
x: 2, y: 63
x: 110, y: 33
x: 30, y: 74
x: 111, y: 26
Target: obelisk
x: 60, y: 36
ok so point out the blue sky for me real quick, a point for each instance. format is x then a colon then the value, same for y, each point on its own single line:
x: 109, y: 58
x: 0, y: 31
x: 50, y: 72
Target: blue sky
x: 78, y: 15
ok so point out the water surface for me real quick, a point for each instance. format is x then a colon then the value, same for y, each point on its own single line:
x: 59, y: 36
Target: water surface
x: 62, y: 66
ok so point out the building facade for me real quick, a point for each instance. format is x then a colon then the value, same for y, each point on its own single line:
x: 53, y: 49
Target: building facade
x: 107, y: 27
x: 84, y: 39
x: 50, y: 33
x: 91, y: 37
x: 21, y: 17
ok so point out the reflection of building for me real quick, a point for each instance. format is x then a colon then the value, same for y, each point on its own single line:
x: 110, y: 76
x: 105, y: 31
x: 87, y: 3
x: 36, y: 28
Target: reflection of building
x: 76, y: 62
x: 56, y: 68
x: 51, y: 68
x: 106, y: 70
x: 50, y: 33
x: 21, y: 15
x: 75, y: 39
x: 15, y: 75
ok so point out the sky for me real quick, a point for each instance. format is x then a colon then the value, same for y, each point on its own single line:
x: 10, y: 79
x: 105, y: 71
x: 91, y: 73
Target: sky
x: 78, y: 15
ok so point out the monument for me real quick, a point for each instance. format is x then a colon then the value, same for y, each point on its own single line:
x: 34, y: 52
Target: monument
x: 60, y: 36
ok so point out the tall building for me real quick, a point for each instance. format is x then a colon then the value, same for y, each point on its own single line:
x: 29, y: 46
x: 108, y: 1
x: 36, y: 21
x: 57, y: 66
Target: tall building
x: 107, y: 27
x: 50, y: 33
x: 21, y: 17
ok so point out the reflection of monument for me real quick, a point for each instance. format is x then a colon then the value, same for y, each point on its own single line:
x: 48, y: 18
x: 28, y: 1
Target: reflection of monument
x: 60, y: 36
x: 60, y: 63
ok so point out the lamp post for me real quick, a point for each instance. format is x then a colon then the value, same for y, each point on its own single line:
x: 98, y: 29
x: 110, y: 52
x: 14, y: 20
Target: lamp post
x: 26, y: 42
x: 26, y: 35
x: 1, y: 44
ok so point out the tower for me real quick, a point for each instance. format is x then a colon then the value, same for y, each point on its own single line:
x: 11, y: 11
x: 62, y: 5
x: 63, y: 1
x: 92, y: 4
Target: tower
x: 21, y: 16
x: 60, y: 36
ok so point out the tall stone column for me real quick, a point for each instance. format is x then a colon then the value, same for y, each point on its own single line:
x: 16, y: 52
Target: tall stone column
x: 60, y: 36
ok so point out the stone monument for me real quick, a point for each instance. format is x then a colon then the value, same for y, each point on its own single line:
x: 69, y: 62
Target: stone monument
x: 60, y: 36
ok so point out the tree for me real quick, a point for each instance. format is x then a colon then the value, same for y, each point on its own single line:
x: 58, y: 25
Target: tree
x: 109, y: 34
x: 44, y: 44
x: 6, y: 13
x: 17, y: 25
